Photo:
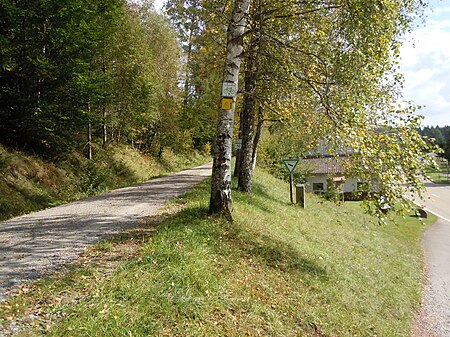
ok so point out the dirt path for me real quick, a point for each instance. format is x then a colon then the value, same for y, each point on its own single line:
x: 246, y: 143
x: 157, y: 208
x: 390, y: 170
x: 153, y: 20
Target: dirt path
x: 37, y: 243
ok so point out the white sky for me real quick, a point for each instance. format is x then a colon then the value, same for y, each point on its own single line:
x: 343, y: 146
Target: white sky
x: 426, y: 65
x: 159, y: 4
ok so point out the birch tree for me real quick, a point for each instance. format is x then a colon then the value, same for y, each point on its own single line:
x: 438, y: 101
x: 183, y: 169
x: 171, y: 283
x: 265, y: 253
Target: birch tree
x: 331, y: 69
x: 220, y: 201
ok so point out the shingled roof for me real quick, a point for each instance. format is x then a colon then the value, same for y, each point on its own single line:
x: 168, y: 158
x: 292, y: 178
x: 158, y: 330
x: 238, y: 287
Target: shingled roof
x: 324, y: 165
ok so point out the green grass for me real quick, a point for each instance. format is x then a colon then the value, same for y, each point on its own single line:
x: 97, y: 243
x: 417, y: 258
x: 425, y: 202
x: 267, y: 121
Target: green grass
x: 28, y: 183
x: 440, y: 174
x: 439, y: 177
x: 277, y: 270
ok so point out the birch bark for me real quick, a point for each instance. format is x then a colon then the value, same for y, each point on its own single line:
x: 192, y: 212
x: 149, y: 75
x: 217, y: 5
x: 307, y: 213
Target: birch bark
x: 220, y: 201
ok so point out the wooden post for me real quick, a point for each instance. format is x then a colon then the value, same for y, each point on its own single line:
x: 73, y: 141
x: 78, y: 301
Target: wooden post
x: 300, y: 194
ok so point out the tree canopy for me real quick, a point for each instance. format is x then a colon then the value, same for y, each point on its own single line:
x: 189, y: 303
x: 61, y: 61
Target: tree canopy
x: 330, y: 70
x: 73, y: 64
x: 77, y: 72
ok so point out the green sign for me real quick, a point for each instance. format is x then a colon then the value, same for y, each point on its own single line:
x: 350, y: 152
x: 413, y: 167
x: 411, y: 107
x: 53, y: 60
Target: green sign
x: 229, y: 89
x: 290, y: 164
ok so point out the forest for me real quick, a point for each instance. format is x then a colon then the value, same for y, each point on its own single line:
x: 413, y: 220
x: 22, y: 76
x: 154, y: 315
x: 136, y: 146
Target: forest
x: 440, y: 135
x: 76, y: 73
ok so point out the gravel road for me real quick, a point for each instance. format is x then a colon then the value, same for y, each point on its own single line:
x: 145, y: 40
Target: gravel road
x: 37, y: 243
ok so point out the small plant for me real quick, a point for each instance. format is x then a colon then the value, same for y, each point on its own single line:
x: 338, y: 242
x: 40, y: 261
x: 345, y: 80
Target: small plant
x: 332, y: 193
x: 6, y: 207
x: 207, y: 148
x: 42, y: 199
x: 92, y: 178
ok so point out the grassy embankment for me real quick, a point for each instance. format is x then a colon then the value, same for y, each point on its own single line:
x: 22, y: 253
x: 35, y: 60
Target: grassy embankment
x: 28, y: 183
x: 278, y: 270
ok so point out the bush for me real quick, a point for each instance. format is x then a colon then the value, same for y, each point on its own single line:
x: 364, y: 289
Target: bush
x: 92, y: 178
x: 332, y: 193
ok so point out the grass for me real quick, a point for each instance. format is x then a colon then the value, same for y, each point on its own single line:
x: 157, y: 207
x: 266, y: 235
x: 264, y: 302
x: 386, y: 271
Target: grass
x: 439, y: 177
x: 277, y: 270
x: 28, y: 183
x: 440, y: 174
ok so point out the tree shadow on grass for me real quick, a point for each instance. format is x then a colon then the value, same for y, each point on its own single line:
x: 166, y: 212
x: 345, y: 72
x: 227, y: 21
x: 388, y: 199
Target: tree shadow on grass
x: 175, y: 217
x: 260, y: 198
x: 278, y: 255
x: 230, y: 239
x: 274, y: 253
x: 37, y: 198
x: 283, y: 257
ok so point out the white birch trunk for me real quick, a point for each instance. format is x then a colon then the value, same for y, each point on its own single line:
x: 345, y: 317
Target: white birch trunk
x: 220, y: 201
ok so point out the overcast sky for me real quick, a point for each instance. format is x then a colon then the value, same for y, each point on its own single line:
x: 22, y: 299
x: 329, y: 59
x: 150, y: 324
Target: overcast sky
x: 426, y: 64
x: 159, y: 4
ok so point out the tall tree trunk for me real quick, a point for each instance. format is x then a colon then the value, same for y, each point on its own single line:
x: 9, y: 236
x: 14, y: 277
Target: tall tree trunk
x: 111, y: 132
x: 248, y: 109
x: 89, y: 144
x: 237, y: 166
x: 187, y: 77
x: 257, y: 138
x: 220, y: 201
x: 89, y: 135
x: 104, y: 128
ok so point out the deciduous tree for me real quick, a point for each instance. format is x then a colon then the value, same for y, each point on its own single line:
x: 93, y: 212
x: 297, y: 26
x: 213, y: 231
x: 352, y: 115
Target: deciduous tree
x: 335, y: 67
x: 220, y: 201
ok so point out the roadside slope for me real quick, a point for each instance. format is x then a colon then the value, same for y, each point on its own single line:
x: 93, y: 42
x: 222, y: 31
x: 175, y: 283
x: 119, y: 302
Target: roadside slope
x: 277, y: 270
x: 39, y: 242
x: 29, y: 183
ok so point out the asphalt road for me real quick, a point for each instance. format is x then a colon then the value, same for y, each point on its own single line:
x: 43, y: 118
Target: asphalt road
x: 435, y: 315
x: 40, y: 242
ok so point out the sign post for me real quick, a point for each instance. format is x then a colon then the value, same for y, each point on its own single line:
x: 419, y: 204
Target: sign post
x: 290, y: 165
